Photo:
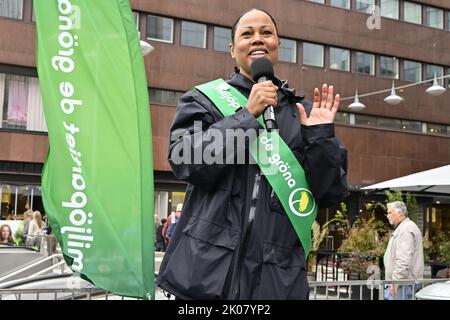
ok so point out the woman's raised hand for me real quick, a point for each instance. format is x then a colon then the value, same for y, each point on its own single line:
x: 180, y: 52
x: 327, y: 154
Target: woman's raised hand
x: 323, y: 110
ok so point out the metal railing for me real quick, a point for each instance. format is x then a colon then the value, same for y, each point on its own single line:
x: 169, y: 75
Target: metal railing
x: 52, y: 294
x: 44, y: 243
x: 319, y: 290
x: 328, y: 266
x: 336, y: 266
x: 64, y: 294
x: 364, y: 289
x: 336, y: 289
x: 55, y: 257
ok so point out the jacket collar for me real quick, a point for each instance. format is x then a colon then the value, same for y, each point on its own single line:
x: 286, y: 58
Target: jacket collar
x: 397, y: 227
x: 240, y: 81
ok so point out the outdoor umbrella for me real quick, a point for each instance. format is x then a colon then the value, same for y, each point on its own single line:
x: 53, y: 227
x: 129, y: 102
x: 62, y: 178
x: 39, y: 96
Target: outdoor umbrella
x: 435, y: 180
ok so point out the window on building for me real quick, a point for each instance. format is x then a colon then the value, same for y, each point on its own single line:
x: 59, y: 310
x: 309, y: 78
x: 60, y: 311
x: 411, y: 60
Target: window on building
x: 23, y: 196
x: 434, y: 17
x: 342, y: 118
x: 388, y: 123
x: 11, y: 8
x: 389, y: 67
x: 176, y: 198
x: 412, y: 12
x: 339, y: 59
x: 317, y: 1
x: 21, y: 103
x: 136, y: 18
x: 193, y: 34
x: 431, y: 69
x: 448, y: 79
x: 436, y: 225
x: 222, y: 39
x: 448, y: 20
x: 364, y: 120
x: 166, y: 202
x: 169, y: 97
x: 161, y: 202
x: 434, y: 128
x: 424, y: 127
x: 340, y: 3
x: 313, y: 54
x: 365, y: 63
x: 15, y: 200
x: 159, y: 28
x: 415, y: 126
x: 288, y: 50
x: 412, y: 71
x: 389, y: 9
x: 365, y: 5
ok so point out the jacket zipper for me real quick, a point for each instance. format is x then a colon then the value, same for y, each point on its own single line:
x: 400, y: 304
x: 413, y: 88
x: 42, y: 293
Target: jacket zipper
x: 245, y: 239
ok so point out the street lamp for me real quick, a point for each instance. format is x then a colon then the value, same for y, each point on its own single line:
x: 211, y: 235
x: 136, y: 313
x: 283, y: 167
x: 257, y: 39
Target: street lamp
x: 146, y: 48
x: 356, y: 105
x: 393, y: 98
x: 435, y: 89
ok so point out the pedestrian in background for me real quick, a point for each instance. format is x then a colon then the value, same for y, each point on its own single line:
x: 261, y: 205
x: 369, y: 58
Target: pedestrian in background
x: 34, y: 229
x: 160, y: 241
x: 403, y: 259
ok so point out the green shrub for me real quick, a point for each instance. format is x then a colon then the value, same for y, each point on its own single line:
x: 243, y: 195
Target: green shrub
x: 365, y: 245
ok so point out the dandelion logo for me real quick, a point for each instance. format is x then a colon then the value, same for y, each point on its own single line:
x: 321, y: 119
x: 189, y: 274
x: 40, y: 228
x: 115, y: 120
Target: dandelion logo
x: 301, y: 202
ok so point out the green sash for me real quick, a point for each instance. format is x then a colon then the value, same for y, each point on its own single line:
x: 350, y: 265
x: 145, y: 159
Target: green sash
x: 276, y: 161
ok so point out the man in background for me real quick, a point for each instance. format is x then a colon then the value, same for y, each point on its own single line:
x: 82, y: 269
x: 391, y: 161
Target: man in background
x: 160, y: 240
x: 403, y: 259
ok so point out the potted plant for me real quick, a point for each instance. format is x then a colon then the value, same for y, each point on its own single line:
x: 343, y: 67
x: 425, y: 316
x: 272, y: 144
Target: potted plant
x: 318, y: 234
x: 364, y: 245
x: 367, y: 240
x: 440, y: 251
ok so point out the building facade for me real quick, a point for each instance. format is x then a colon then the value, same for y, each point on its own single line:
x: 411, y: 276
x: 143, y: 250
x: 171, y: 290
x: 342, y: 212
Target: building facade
x: 361, y: 45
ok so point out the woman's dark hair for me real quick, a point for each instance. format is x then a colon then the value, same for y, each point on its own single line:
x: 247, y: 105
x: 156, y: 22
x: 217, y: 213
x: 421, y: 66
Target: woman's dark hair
x: 233, y: 28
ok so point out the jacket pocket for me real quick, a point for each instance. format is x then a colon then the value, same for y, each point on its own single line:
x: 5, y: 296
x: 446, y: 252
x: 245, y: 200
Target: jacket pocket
x: 275, y: 203
x: 205, y: 252
x: 283, y: 274
x: 212, y: 233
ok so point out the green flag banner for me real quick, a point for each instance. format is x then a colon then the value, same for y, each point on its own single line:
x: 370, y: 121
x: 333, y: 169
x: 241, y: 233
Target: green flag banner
x: 97, y: 183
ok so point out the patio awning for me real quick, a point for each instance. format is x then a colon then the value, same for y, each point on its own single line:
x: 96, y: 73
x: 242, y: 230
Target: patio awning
x: 435, y: 180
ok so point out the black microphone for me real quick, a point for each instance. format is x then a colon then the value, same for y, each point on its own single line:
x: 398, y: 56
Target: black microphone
x: 262, y: 70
